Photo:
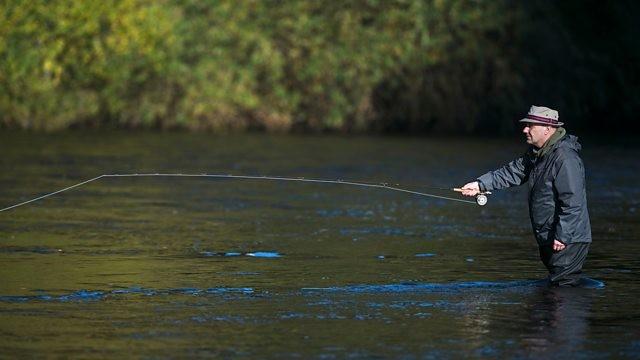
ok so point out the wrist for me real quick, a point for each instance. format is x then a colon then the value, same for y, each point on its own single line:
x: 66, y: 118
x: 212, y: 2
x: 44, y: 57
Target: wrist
x: 481, y: 186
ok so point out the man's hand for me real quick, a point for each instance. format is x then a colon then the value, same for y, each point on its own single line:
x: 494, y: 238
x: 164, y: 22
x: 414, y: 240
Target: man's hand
x: 471, y: 189
x: 558, y: 246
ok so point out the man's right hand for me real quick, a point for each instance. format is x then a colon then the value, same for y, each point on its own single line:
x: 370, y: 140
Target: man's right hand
x: 471, y: 189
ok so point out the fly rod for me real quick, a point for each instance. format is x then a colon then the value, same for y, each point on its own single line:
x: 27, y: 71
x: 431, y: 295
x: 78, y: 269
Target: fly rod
x: 481, y: 198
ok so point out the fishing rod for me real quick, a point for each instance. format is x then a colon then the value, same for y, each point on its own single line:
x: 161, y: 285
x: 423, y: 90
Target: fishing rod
x: 481, y: 198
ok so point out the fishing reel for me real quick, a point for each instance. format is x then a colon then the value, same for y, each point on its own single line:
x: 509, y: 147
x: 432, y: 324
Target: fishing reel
x: 481, y: 199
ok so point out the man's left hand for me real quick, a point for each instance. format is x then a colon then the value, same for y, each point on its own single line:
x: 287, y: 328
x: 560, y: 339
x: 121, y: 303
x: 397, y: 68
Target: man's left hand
x: 558, y: 246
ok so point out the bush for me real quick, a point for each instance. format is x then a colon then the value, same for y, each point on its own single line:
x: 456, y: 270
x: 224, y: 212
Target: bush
x: 360, y: 65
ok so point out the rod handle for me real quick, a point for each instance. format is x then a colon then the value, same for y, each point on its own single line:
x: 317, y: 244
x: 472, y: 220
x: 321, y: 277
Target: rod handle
x: 479, y: 193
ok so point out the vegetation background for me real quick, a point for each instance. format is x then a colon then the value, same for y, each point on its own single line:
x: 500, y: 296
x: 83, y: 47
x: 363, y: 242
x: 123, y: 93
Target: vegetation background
x: 418, y: 66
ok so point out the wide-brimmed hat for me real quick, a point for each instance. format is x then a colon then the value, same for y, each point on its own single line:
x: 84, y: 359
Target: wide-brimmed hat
x: 542, y: 115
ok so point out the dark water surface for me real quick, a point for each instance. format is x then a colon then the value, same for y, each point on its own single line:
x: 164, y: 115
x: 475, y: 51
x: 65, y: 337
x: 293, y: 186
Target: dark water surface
x: 165, y: 268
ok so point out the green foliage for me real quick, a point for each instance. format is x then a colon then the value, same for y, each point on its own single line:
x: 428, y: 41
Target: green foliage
x: 66, y: 62
x: 393, y: 65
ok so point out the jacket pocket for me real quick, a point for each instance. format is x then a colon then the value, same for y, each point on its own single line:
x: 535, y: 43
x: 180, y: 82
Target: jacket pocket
x: 543, y: 230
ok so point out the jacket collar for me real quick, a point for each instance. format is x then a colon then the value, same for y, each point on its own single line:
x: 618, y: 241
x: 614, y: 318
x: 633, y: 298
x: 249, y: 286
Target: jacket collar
x: 557, y: 136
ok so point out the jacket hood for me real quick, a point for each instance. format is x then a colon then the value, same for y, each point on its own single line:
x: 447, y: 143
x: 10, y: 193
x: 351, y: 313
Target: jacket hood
x: 569, y: 142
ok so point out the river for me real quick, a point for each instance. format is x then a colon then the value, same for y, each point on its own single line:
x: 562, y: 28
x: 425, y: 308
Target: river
x: 198, y: 267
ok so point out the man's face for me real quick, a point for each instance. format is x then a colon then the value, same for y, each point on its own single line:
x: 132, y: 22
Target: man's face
x: 536, y: 135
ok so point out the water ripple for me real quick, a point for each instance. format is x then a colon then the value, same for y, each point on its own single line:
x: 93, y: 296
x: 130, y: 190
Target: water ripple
x: 94, y: 295
x: 428, y: 287
x: 586, y: 283
x: 29, y: 249
x: 426, y: 255
x: 257, y: 254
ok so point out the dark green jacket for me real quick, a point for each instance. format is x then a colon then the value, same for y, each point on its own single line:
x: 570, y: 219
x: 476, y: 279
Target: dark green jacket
x: 557, y: 194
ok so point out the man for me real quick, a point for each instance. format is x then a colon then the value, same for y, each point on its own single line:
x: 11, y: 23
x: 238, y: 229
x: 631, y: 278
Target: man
x: 554, y: 173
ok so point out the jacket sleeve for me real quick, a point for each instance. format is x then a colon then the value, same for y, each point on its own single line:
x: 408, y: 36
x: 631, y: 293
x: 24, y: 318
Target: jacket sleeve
x: 570, y: 191
x: 512, y: 174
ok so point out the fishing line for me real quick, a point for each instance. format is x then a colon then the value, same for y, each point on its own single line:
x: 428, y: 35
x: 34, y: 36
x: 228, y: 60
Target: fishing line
x: 251, y: 177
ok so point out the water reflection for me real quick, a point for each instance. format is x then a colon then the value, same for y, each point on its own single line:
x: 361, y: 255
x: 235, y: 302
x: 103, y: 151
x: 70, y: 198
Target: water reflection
x: 557, y: 321
x: 541, y: 322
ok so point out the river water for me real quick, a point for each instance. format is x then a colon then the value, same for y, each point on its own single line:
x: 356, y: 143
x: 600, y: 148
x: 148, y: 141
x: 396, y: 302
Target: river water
x: 196, y: 267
